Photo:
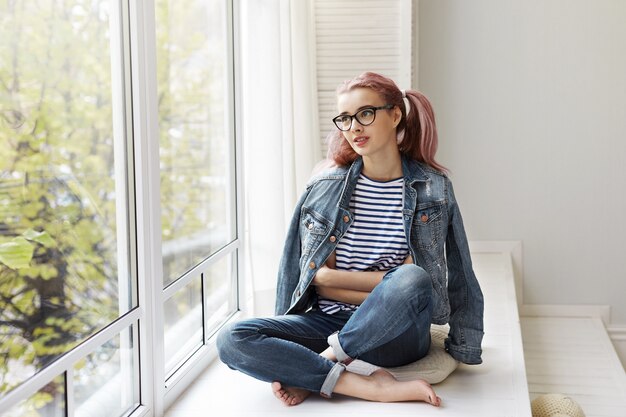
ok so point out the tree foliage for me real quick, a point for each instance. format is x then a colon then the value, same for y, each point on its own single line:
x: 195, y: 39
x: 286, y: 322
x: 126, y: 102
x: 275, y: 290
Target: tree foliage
x: 58, y: 253
x: 59, y: 275
x: 194, y: 143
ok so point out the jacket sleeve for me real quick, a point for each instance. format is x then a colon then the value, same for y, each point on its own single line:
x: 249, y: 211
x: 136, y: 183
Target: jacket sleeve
x: 289, y: 266
x: 466, y: 298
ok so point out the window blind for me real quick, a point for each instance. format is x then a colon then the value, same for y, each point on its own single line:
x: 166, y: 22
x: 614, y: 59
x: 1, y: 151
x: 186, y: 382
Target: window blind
x: 352, y: 37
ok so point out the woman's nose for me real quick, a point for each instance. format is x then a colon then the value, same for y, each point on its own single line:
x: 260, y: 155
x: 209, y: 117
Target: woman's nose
x: 356, y: 126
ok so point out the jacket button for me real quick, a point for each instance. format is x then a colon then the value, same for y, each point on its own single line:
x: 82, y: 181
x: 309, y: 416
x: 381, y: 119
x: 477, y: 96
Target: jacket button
x: 310, y: 226
x: 312, y: 265
x: 333, y: 239
x: 298, y: 294
x: 424, y: 218
x: 346, y: 219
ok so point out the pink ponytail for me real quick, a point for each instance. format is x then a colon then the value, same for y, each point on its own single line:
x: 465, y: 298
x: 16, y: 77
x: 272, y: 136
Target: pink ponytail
x: 416, y: 129
x: 420, y: 129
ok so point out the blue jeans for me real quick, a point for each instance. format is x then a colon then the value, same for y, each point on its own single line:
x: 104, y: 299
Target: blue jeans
x: 391, y: 328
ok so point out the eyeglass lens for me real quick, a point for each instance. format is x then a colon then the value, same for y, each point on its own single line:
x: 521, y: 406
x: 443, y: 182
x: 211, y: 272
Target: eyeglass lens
x: 364, y: 117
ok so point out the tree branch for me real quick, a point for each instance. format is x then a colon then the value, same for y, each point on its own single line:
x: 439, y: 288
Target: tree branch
x: 15, y: 323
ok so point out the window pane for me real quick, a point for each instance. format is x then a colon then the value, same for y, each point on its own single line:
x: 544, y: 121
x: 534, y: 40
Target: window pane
x: 197, y: 197
x: 221, y: 296
x: 60, y: 191
x: 48, y: 402
x: 104, y: 381
x: 183, y: 324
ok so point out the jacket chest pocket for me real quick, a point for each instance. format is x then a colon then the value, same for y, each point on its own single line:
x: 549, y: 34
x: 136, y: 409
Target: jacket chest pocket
x: 313, y: 228
x: 427, y: 224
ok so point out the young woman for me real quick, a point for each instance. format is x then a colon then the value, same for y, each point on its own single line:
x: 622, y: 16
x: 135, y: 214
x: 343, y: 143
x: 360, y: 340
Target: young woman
x: 375, y: 253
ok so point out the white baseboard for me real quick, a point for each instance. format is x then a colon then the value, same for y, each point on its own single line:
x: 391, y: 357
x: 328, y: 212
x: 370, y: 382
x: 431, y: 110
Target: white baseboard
x: 618, y: 337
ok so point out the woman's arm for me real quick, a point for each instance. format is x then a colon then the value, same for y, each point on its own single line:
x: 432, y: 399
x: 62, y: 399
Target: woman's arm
x: 357, y: 281
x: 362, y: 281
x: 343, y: 295
x: 466, y: 298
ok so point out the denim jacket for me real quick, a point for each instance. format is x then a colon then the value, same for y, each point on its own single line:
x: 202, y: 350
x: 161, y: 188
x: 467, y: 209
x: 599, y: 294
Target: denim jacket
x: 436, y: 238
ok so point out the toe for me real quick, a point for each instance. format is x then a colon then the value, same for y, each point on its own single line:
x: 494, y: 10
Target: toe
x: 434, y: 400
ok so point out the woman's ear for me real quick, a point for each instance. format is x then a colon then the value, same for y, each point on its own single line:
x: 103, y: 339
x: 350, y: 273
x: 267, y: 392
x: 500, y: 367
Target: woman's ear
x: 397, y: 116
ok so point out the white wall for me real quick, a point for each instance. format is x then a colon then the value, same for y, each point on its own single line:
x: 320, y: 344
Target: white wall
x: 530, y: 99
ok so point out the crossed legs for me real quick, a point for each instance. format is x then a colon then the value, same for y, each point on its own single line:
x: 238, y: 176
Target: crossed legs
x: 391, y: 328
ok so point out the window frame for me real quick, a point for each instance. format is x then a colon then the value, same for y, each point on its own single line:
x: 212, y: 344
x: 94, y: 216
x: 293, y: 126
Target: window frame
x: 160, y: 393
x: 63, y: 366
x: 133, y: 59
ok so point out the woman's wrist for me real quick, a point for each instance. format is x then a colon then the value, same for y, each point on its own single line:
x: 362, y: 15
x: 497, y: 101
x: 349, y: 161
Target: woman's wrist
x: 321, y: 278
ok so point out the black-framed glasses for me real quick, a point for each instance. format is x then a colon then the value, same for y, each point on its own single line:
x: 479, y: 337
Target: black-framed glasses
x: 365, y: 117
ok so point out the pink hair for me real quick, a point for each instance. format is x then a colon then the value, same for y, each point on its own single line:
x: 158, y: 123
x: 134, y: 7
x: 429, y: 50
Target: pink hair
x: 417, y: 130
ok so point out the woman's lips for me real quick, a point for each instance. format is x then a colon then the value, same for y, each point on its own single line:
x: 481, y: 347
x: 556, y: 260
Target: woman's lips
x: 360, y: 141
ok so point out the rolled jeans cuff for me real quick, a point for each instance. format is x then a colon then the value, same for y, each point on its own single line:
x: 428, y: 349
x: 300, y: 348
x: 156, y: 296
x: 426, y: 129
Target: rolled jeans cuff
x: 333, y: 341
x: 331, y: 380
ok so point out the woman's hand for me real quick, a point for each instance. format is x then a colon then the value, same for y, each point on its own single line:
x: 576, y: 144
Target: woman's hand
x: 362, y: 281
x: 322, y: 277
x: 343, y: 295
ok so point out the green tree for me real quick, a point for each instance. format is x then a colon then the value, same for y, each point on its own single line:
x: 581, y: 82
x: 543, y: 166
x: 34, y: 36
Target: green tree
x: 58, y: 243
x: 58, y: 271
x: 191, y: 55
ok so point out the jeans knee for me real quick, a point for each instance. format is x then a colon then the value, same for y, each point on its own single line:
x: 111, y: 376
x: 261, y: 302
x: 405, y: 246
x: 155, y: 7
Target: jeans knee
x: 233, y: 341
x: 411, y: 279
x: 225, y: 342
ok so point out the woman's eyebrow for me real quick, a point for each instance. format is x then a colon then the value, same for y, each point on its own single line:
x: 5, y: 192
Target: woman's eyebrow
x: 358, y: 110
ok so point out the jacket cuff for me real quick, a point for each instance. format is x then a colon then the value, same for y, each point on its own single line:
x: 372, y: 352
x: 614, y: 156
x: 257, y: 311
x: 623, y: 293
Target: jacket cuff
x: 466, y: 354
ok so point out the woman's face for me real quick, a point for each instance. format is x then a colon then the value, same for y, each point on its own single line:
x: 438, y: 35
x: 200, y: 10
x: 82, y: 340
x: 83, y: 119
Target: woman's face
x: 378, y: 138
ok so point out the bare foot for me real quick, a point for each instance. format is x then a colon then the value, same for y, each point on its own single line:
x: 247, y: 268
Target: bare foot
x: 381, y: 386
x: 392, y: 390
x: 288, y: 395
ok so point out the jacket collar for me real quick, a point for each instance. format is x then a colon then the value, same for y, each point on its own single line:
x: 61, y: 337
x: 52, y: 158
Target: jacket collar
x: 350, y: 183
x: 411, y: 169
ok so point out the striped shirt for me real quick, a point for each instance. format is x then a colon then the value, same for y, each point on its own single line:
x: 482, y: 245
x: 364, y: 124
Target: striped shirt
x: 375, y: 240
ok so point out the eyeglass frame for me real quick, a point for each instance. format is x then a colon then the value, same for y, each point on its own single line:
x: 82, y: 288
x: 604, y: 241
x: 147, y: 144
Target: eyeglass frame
x: 353, y: 117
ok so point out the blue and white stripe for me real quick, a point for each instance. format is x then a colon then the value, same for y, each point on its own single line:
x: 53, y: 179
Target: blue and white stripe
x: 375, y: 241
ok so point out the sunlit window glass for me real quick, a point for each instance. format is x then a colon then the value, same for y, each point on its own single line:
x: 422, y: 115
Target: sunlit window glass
x: 49, y: 401
x: 197, y: 199
x: 183, y: 324
x: 221, y: 301
x: 104, y: 381
x: 61, y: 185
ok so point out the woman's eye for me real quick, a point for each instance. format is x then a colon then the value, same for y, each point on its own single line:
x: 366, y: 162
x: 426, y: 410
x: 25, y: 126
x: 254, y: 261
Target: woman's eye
x: 367, y: 113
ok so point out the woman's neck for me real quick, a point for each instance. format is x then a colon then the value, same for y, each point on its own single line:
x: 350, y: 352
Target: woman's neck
x: 384, y: 168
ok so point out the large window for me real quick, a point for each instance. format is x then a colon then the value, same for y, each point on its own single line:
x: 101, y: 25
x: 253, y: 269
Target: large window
x: 78, y: 318
x: 196, y: 153
x: 198, y: 216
